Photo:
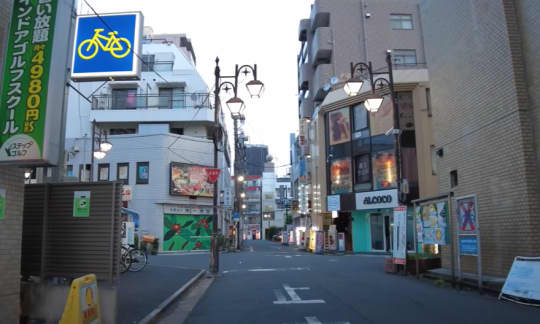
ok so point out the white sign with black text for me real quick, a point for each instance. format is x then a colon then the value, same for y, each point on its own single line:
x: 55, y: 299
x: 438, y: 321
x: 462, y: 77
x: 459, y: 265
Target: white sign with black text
x: 333, y: 203
x: 377, y: 199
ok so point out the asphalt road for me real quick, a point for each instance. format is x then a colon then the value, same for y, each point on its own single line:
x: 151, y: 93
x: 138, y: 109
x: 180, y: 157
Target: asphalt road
x: 269, y: 283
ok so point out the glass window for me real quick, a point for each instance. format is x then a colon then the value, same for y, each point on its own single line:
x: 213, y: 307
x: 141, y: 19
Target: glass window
x: 84, y: 172
x: 382, y: 143
x: 103, y: 172
x: 361, y: 146
x: 148, y: 63
x: 339, y: 126
x: 361, y: 122
x: 362, y: 173
x: 172, y: 98
x: 69, y: 170
x: 143, y: 172
x: 124, y: 98
x: 384, y: 170
x: 340, y: 176
x: 404, y: 56
x: 401, y: 21
x: 122, y: 172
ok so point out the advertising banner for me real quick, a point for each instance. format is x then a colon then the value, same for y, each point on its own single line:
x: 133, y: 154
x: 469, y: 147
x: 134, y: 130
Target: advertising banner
x: 31, y: 109
x: 319, y: 242
x: 467, y: 220
x: 186, y: 232
x: 432, y: 221
x: 341, y: 241
x: 108, y: 46
x: 190, y: 180
x: 81, y: 204
x: 399, y: 248
x: 384, y: 170
x: 2, y: 203
x: 128, y: 233
x: 127, y: 193
x: 341, y: 176
x: 339, y: 126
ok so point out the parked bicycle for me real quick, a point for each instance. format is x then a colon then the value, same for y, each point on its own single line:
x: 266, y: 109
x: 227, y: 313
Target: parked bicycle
x: 132, y: 259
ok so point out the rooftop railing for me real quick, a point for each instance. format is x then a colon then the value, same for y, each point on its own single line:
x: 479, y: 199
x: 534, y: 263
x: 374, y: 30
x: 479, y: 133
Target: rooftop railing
x: 143, y: 101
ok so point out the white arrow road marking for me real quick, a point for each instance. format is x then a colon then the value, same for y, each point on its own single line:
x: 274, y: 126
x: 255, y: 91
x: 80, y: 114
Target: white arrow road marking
x: 315, y: 320
x: 295, y: 299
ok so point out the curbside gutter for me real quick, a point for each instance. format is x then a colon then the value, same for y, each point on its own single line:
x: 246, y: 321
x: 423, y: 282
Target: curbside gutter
x: 152, y: 315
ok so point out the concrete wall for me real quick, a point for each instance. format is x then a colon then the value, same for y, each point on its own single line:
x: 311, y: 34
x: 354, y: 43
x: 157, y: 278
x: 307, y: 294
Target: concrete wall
x: 12, y: 180
x: 482, y: 121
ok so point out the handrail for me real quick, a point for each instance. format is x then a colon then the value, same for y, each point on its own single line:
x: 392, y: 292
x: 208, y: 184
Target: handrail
x: 146, y: 101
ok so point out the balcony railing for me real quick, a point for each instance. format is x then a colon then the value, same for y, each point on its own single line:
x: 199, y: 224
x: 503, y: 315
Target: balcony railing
x: 142, y: 101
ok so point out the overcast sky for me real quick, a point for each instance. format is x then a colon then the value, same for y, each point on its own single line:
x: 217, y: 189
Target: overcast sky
x: 239, y: 32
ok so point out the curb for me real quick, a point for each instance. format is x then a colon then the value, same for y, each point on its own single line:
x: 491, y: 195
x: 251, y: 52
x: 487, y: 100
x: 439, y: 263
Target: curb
x: 161, y: 307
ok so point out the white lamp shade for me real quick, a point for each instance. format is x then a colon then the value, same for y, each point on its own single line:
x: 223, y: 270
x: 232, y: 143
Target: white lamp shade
x: 352, y: 87
x: 99, y: 155
x: 236, y: 105
x: 255, y: 88
x: 105, y: 146
x: 240, y: 178
x: 373, y: 104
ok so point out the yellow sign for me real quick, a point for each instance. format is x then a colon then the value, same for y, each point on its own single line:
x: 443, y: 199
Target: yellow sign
x: 90, y: 47
x: 82, y: 306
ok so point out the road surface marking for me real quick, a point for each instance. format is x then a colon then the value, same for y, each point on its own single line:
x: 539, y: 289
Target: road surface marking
x: 267, y: 270
x: 288, y: 256
x: 315, y: 320
x: 279, y: 295
x: 295, y: 299
x: 251, y: 249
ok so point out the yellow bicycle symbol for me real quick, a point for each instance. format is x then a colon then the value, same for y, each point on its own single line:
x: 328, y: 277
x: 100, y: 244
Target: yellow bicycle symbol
x: 91, y: 46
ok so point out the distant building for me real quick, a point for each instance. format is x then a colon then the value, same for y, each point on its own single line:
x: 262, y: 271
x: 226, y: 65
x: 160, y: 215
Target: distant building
x: 256, y: 158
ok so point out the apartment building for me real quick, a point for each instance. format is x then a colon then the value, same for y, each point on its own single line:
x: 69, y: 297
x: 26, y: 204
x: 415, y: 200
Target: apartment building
x: 160, y: 128
x: 360, y: 161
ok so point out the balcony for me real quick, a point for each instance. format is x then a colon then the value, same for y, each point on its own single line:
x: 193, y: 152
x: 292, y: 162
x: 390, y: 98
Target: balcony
x: 152, y: 108
x: 303, y: 29
x: 320, y: 17
x: 322, y: 75
x: 306, y: 72
x: 321, y: 47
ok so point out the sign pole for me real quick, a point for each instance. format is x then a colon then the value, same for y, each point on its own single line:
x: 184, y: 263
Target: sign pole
x: 416, y: 242
x: 452, y: 242
x: 479, y: 255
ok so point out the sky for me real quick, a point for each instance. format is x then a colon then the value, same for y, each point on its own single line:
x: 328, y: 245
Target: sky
x: 239, y: 32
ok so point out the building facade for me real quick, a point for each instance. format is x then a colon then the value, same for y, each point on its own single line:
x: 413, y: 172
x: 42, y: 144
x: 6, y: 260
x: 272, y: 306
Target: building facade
x: 483, y: 66
x: 349, y: 155
x: 160, y: 128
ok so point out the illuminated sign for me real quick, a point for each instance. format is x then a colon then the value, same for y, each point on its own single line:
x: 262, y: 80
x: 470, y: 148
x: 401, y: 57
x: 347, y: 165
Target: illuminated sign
x: 107, y: 46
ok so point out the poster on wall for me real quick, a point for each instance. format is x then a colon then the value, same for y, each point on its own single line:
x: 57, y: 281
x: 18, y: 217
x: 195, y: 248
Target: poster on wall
x: 81, y: 204
x: 384, y: 170
x: 339, y: 126
x: 190, y: 180
x: 340, y: 174
x: 432, y: 222
x: 319, y: 241
x: 186, y: 232
x: 467, y: 219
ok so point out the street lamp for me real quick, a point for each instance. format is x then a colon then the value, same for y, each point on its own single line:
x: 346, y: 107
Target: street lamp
x: 236, y: 106
x: 99, y: 137
x: 361, y: 71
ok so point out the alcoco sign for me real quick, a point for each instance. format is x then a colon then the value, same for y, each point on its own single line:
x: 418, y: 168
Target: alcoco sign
x: 31, y: 106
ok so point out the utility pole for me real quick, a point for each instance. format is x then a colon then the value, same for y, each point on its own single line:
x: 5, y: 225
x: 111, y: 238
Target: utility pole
x: 214, y: 252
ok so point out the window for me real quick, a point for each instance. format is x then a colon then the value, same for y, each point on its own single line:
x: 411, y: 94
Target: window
x: 384, y: 170
x: 122, y: 172
x: 172, y: 98
x: 362, y: 173
x: 124, y: 98
x: 69, y: 170
x: 340, y: 176
x: 103, y: 172
x: 434, y: 156
x: 143, y: 172
x: 453, y: 179
x: 404, y: 57
x: 361, y: 123
x: 84, y: 172
x: 177, y: 130
x: 122, y: 131
x: 148, y: 63
x: 401, y: 21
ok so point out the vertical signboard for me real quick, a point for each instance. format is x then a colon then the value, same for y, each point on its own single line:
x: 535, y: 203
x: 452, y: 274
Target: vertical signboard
x: 2, y: 203
x: 468, y: 232
x: 399, y: 248
x: 31, y: 106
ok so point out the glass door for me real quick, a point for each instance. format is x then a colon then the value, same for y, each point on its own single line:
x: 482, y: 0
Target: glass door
x: 377, y: 232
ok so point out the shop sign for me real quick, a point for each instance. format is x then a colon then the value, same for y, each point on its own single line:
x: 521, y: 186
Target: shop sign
x: 377, y: 199
x: 107, y: 46
x: 333, y: 203
x: 33, y: 84
x: 81, y: 204
x: 399, y: 248
x: 127, y: 193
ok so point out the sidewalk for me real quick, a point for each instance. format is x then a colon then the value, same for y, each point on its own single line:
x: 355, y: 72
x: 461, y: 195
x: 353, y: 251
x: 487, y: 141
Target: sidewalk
x: 140, y: 293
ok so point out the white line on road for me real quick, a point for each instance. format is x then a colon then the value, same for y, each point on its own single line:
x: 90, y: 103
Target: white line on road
x: 295, y: 299
x: 315, y: 320
x: 288, y: 256
x: 267, y: 270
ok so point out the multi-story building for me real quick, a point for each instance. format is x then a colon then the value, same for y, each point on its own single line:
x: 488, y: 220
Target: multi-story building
x: 160, y: 128
x: 483, y: 67
x: 255, y: 158
x: 252, y: 213
x: 283, y: 213
x: 349, y: 155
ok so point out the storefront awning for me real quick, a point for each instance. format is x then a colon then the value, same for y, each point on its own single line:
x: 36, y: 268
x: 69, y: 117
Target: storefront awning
x: 134, y: 215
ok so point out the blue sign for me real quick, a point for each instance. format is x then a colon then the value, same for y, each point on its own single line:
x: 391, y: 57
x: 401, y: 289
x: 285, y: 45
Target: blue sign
x: 236, y: 216
x: 468, y: 245
x: 107, y: 47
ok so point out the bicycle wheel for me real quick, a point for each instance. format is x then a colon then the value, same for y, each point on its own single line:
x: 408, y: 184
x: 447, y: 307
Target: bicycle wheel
x: 138, y: 260
x: 126, y: 47
x: 125, y: 260
x: 87, y: 49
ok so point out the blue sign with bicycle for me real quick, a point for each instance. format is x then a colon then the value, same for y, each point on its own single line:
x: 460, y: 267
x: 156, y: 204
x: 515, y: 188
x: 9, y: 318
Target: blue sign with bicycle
x: 107, y: 46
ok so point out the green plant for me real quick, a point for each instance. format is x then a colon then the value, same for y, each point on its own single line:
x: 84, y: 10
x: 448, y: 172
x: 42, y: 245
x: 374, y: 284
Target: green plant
x: 420, y: 256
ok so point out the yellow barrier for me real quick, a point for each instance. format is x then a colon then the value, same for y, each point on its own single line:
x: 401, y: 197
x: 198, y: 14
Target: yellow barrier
x: 82, y: 305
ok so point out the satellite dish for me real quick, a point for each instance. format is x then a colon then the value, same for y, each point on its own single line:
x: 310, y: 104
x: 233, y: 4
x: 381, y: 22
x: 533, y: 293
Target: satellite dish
x: 326, y: 87
x: 334, y: 80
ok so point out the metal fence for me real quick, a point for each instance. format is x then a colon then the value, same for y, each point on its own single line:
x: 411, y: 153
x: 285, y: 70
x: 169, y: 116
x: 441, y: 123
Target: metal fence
x: 143, y: 101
